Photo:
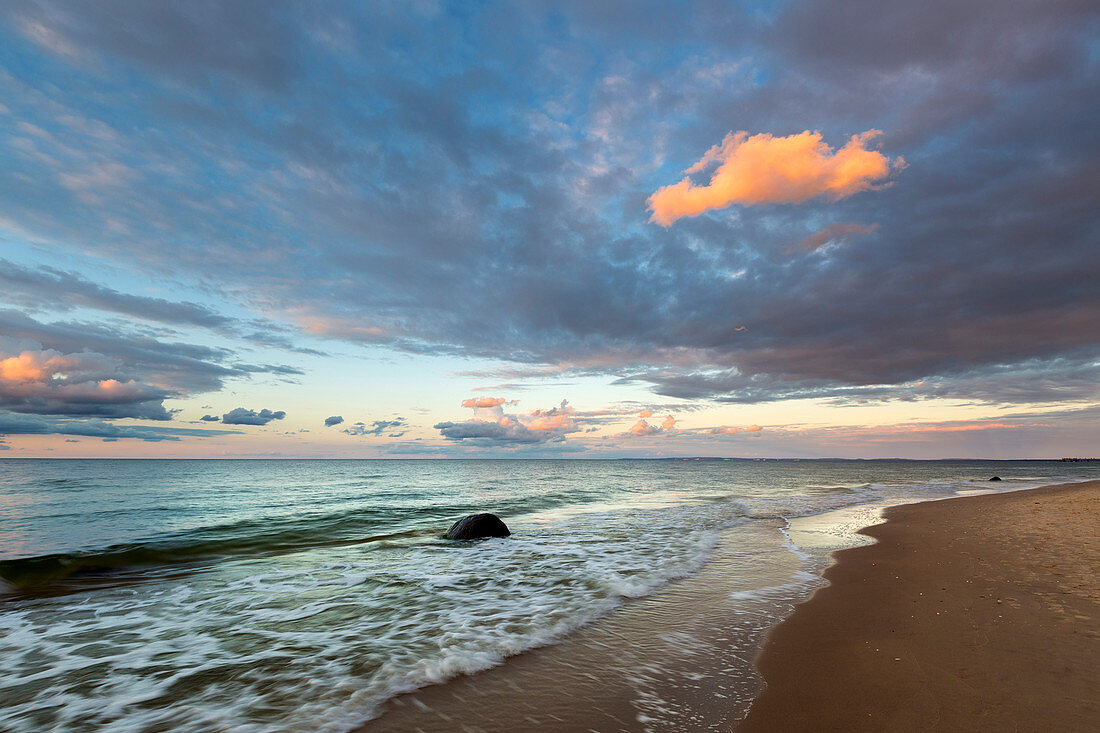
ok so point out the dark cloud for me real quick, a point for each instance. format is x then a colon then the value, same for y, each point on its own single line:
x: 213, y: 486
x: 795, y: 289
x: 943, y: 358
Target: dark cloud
x: 47, y: 382
x: 195, y: 40
x: 12, y: 424
x: 394, y: 428
x: 84, y: 369
x: 60, y: 290
x: 242, y: 416
x: 210, y: 418
x: 492, y: 426
x: 491, y: 433
x: 334, y: 420
x: 176, y: 366
x: 48, y: 288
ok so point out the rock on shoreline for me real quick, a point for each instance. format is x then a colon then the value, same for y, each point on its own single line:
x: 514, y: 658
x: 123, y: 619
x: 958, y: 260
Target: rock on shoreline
x: 477, y: 526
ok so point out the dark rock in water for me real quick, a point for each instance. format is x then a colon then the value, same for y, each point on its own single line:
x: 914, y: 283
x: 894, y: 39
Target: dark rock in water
x: 477, y: 526
x: 995, y: 478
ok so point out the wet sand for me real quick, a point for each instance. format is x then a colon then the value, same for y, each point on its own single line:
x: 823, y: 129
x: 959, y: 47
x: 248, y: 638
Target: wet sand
x: 978, y: 613
x: 681, y: 659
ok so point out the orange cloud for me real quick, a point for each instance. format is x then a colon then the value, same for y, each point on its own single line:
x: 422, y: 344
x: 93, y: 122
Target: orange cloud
x: 645, y: 413
x: 727, y: 430
x: 476, y: 402
x: 642, y: 427
x: 762, y: 169
x: 958, y: 428
x: 558, y: 418
x: 35, y: 366
x: 49, y: 381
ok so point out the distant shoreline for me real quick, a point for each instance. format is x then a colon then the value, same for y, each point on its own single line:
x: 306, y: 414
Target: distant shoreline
x: 701, y: 459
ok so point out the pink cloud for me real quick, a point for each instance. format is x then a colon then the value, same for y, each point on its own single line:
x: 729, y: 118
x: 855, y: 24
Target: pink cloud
x: 48, y: 381
x: 490, y: 424
x: 643, y: 428
x: 728, y: 430
x: 483, y: 402
x: 762, y: 169
x: 556, y: 419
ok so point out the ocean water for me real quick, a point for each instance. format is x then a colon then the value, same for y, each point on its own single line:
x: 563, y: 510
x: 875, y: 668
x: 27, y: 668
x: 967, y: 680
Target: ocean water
x: 150, y: 595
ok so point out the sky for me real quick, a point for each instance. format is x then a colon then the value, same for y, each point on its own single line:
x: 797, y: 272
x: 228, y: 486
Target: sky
x: 422, y: 229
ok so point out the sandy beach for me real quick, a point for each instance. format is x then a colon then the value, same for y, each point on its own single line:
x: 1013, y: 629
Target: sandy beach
x: 978, y: 613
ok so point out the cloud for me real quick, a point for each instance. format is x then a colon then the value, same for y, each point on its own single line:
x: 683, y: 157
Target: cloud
x: 47, y: 286
x: 242, y: 416
x: 483, y: 402
x: 490, y: 426
x: 13, y: 424
x: 394, y: 428
x: 210, y: 418
x: 727, y: 430
x: 334, y: 420
x: 645, y: 413
x: 85, y: 369
x: 241, y: 41
x: 557, y: 420
x: 1033, y: 381
x: 834, y: 234
x: 58, y: 290
x: 176, y: 367
x: 762, y: 169
x: 484, y: 433
x: 644, y: 428
x: 48, y: 382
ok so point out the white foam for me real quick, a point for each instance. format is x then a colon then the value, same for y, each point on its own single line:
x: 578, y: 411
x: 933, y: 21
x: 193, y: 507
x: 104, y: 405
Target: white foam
x: 360, y: 625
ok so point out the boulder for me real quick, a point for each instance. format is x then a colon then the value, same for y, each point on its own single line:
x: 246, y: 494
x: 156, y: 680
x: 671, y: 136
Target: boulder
x: 995, y: 478
x: 476, y: 527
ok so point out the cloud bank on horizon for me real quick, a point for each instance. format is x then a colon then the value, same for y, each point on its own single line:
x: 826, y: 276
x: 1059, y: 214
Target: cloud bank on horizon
x: 205, y: 199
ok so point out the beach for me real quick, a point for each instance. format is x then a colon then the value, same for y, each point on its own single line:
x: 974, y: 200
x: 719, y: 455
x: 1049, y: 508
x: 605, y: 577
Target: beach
x: 979, y: 613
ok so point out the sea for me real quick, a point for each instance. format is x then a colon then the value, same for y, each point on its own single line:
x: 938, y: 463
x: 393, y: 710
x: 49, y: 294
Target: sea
x: 321, y: 595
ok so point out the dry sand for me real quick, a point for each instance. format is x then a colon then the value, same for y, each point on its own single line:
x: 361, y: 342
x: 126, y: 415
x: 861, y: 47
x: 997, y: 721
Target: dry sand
x: 978, y: 613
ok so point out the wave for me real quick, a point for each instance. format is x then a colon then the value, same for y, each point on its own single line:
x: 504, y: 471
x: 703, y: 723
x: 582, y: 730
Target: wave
x: 261, y: 537
x: 73, y: 571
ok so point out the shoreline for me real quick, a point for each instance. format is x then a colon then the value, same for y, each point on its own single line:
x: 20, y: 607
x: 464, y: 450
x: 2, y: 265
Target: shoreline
x: 682, y: 656
x: 714, y: 675
x: 986, y: 618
